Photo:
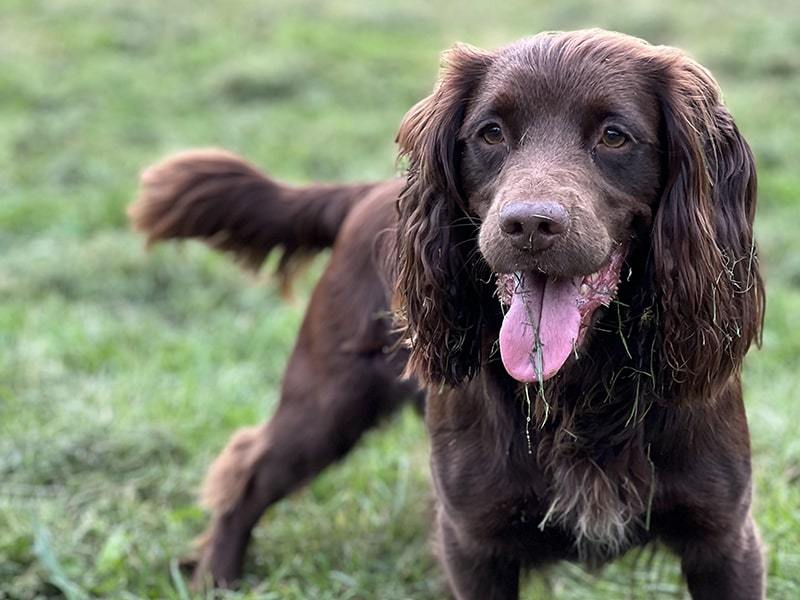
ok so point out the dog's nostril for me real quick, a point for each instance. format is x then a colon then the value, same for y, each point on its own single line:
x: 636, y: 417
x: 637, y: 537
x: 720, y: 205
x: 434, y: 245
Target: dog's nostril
x: 533, y: 225
x: 549, y: 227
x: 511, y: 226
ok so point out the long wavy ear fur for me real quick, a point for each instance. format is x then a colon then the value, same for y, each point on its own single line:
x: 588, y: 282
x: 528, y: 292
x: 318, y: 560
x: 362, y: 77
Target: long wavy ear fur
x: 438, y: 296
x: 704, y: 255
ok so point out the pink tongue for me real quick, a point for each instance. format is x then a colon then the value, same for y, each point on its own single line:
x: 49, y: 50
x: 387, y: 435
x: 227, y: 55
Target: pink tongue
x: 540, y: 328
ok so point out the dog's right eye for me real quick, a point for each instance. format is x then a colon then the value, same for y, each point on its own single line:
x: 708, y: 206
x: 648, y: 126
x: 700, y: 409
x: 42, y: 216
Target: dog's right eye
x: 492, y: 134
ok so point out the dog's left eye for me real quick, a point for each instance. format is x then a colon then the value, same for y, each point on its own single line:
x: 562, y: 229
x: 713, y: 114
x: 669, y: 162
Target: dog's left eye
x: 613, y: 138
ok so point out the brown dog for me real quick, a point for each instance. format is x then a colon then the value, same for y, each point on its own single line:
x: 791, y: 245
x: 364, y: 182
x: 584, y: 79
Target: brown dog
x: 574, y: 242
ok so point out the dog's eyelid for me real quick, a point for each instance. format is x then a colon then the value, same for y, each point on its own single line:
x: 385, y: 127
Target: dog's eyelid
x: 620, y: 124
x: 616, y: 136
x: 614, y: 132
x: 492, y: 133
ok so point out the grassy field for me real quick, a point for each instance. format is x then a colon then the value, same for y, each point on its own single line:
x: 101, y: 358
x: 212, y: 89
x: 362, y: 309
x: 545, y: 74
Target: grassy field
x: 123, y: 373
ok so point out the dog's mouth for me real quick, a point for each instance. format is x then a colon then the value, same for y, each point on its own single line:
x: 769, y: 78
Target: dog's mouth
x: 547, y: 317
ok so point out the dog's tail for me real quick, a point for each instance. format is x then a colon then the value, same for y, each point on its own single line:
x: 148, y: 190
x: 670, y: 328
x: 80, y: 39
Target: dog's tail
x: 219, y: 198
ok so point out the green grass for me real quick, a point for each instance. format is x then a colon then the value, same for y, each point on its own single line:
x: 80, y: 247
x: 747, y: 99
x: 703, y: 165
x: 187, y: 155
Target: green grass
x: 122, y: 374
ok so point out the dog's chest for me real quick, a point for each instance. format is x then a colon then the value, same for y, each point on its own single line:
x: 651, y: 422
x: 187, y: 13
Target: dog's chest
x: 573, y: 506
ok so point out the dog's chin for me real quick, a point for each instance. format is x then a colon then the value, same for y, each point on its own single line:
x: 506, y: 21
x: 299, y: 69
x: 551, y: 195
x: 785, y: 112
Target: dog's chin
x: 547, y: 317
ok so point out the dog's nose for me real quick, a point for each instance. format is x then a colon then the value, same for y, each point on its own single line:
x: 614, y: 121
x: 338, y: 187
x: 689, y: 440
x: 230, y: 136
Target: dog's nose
x: 533, y: 226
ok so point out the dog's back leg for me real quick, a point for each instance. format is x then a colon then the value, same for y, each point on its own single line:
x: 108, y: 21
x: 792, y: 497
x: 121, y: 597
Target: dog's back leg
x: 344, y: 374
x: 315, y: 424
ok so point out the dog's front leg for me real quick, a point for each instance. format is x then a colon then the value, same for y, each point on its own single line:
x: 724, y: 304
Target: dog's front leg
x: 473, y: 572
x: 731, y: 568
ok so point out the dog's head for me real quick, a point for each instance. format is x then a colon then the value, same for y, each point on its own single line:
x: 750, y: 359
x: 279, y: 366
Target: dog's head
x: 536, y: 171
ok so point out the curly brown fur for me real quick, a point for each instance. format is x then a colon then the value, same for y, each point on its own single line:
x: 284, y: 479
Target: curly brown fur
x: 568, y: 272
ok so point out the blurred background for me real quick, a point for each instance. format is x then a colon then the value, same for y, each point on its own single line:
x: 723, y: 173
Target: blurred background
x: 123, y: 373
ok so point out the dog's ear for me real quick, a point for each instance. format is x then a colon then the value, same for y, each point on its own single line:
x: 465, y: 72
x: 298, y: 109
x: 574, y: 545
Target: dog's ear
x: 704, y: 255
x: 438, y: 295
